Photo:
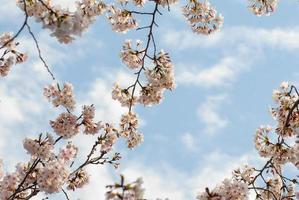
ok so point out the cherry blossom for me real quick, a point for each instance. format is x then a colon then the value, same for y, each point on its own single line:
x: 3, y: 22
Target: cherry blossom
x: 132, y: 58
x: 121, y: 20
x: 89, y: 126
x: 65, y: 125
x: 65, y: 25
x: 10, y: 55
x: 202, y: 17
x: 64, y: 97
x: 52, y: 176
x: 128, y: 129
x: 262, y: 7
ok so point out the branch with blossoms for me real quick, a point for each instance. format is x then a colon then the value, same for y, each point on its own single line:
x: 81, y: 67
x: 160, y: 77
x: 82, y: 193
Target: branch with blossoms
x: 279, y: 146
x: 49, y: 172
x: 7, y: 42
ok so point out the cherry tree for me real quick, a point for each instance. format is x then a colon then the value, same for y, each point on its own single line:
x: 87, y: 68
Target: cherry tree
x: 51, y: 168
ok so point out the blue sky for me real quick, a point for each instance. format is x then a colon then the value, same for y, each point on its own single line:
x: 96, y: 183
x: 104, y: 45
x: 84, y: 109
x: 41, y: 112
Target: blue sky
x: 201, y: 131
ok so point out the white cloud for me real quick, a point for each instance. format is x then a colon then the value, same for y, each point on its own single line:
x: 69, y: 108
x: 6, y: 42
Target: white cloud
x: 287, y: 38
x: 9, y: 10
x: 220, y: 74
x: 242, y: 46
x: 209, y: 116
x: 189, y: 141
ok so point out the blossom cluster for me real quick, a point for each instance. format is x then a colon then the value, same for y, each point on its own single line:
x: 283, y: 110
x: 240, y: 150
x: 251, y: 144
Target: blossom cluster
x: 262, y: 7
x: 129, y: 129
x: 10, y: 55
x: 64, y: 97
x: 159, y: 78
x: 80, y: 179
x: 111, y: 135
x: 67, y: 124
x: 132, y: 57
x: 129, y: 191
x: 64, y: 24
x: 47, y: 171
x: 287, y: 100
x: 121, y: 20
x: 202, y: 17
x: 287, y: 117
x: 38, y: 148
x: 280, y: 152
x: 228, y: 189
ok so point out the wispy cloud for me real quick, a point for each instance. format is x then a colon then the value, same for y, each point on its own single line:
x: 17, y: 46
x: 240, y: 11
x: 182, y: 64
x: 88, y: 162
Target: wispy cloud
x: 189, y: 141
x: 220, y: 74
x: 283, y: 38
x: 209, y: 115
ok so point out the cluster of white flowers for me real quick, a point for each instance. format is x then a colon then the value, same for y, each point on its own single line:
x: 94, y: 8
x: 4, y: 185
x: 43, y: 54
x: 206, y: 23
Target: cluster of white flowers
x: 46, y: 170
x: 229, y: 189
x: 128, y: 129
x: 64, y: 97
x: 244, y: 174
x: 65, y: 25
x: 202, y: 17
x: 52, y: 176
x: 124, y: 96
x: 121, y: 20
x: 287, y: 117
x: 286, y: 100
x: 109, y: 138
x: 10, y: 56
x: 161, y: 76
x: 132, y: 58
x: 49, y: 172
x: 131, y: 191
x: 90, y: 127
x: 8, y: 185
x: 280, y: 153
x: 40, y: 149
x: 65, y: 125
x: 262, y: 7
x: 80, y: 179
x: 68, y: 153
x: 150, y: 95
